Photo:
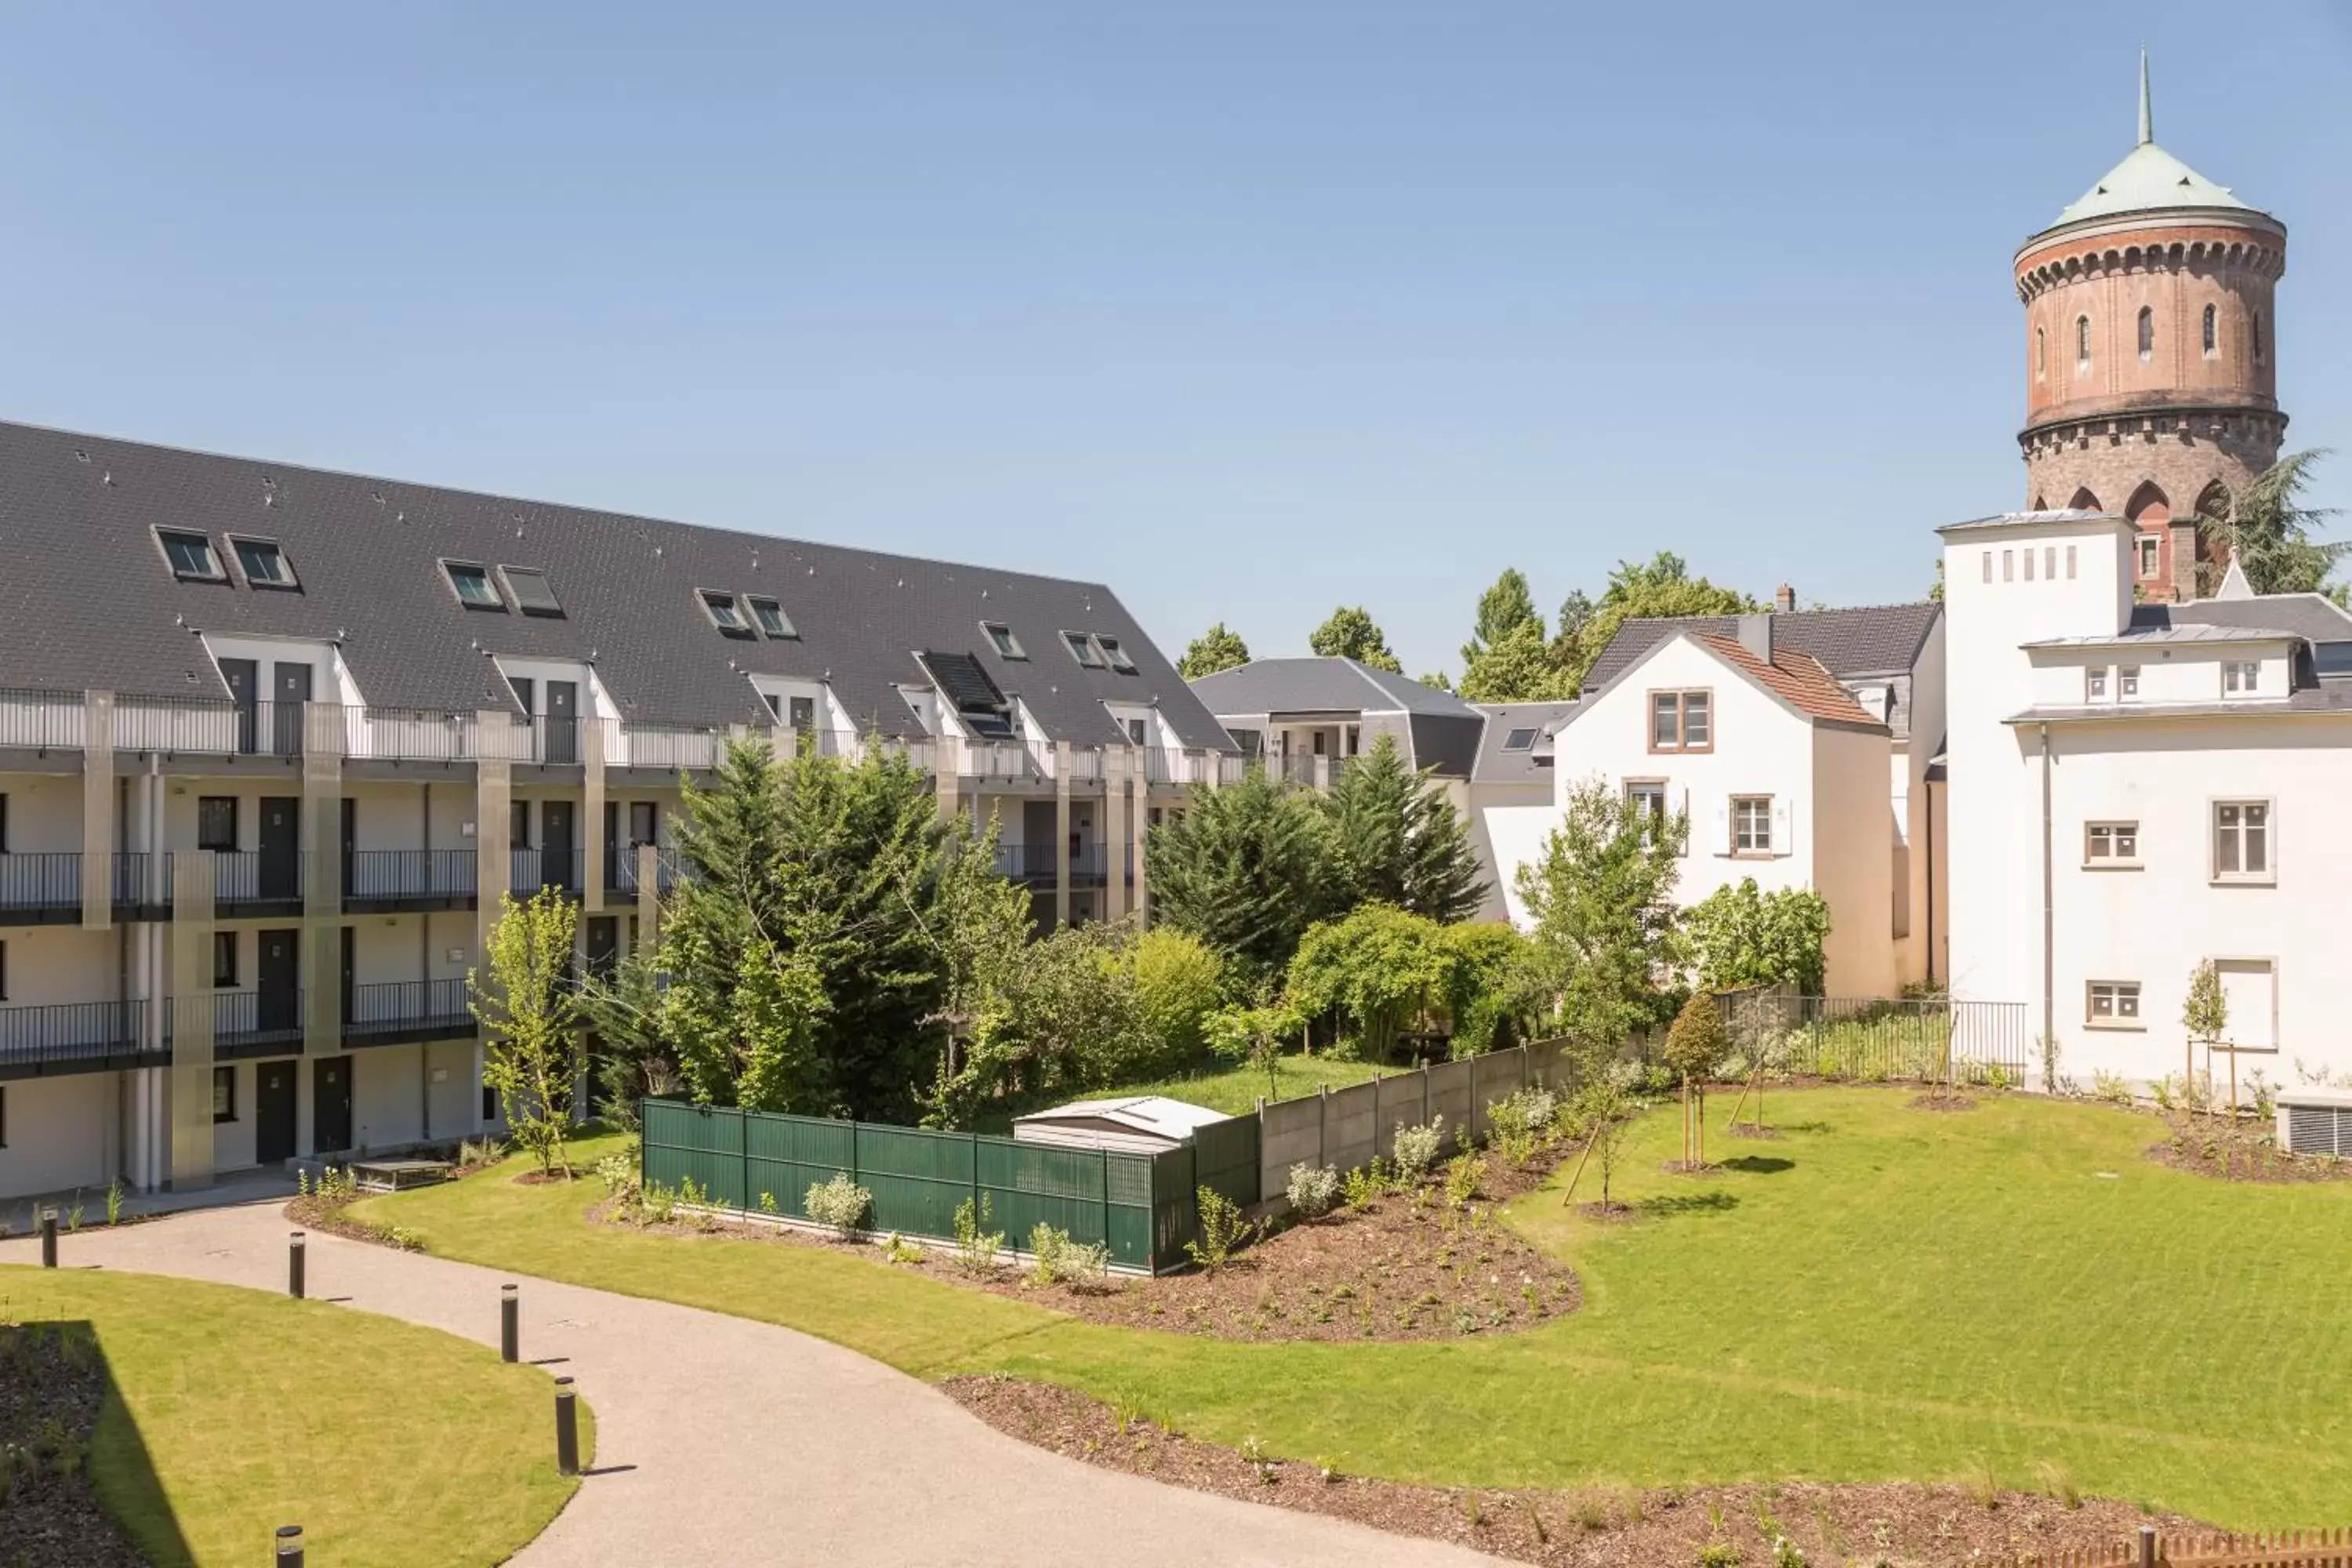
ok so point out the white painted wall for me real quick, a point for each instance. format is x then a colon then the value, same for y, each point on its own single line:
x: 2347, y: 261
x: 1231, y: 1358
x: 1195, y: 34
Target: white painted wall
x: 44, y: 814
x: 2168, y: 673
x: 60, y: 1135
x: 1510, y: 823
x: 388, y: 1089
x: 47, y: 966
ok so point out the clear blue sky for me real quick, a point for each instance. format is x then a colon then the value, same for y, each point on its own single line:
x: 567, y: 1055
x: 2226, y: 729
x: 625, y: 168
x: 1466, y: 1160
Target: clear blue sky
x: 1245, y: 309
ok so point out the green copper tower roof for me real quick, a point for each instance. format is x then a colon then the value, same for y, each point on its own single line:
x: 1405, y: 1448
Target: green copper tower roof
x: 2149, y: 178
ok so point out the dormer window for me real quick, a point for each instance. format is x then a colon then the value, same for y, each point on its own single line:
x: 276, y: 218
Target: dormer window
x: 527, y: 586
x: 472, y: 585
x: 724, y: 613
x: 1001, y: 638
x: 772, y: 618
x: 264, y: 563
x: 190, y: 556
x: 1114, y: 655
x: 1082, y: 648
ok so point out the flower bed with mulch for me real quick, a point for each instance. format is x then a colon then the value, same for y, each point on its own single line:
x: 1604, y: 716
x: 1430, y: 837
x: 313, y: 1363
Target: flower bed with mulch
x: 1606, y: 1527
x: 52, y: 1380
x: 1411, y: 1264
x: 2239, y: 1151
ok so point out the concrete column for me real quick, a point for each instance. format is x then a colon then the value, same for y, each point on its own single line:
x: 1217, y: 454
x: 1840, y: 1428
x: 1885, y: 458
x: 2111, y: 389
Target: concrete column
x: 1115, y: 772
x: 1061, y: 833
x: 323, y: 882
x: 192, y: 1021
x: 592, y: 755
x: 1140, y: 814
x: 493, y: 870
x: 649, y: 896
x: 98, y: 811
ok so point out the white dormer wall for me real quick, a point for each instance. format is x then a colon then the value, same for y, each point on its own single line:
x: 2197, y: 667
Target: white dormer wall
x: 925, y: 704
x: 2169, y: 674
x: 1157, y: 733
x: 828, y: 713
x: 595, y: 701
x: 330, y: 677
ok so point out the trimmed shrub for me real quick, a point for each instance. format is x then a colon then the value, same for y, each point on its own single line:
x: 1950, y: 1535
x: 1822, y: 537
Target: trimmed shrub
x: 840, y: 1203
x: 1314, y: 1190
x: 1417, y: 1148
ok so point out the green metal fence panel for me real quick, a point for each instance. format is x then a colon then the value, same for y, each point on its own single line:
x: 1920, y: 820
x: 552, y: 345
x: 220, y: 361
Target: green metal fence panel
x: 1030, y: 1184
x: 786, y: 1155
x: 700, y: 1143
x: 918, y: 1178
x: 1127, y: 1189
x: 1175, y: 1218
x: 1226, y: 1158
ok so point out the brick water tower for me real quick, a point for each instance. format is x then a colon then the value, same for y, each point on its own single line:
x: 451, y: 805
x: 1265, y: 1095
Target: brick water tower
x: 2151, y: 351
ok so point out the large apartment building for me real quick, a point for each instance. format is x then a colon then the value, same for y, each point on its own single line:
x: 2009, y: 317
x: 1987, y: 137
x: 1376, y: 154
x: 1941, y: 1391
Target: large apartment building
x: 274, y: 741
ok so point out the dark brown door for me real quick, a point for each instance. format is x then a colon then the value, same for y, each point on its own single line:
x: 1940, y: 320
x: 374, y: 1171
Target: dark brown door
x: 289, y: 692
x: 244, y: 680
x: 273, y: 1112
x: 331, y: 1104
x: 281, y: 860
x: 278, y: 982
x: 351, y: 934
x: 562, y: 722
x: 555, y: 843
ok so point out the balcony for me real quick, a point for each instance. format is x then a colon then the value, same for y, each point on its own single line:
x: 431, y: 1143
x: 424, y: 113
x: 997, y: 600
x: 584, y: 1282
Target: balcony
x: 531, y: 870
x: 72, y: 1037
x: 246, y: 1023
x: 1233, y: 767
x: 402, y: 1012
x: 385, y: 882
x: 40, y: 890
x: 620, y: 870
x: 42, y: 721
x: 257, y: 884
x: 994, y: 760
x: 1035, y: 865
x: 675, y: 748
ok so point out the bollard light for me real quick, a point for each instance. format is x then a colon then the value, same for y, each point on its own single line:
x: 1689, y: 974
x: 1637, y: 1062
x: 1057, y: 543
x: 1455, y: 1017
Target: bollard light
x: 510, y: 1323
x: 290, y: 1546
x: 294, y: 1269
x: 567, y: 1429
x: 49, y: 1238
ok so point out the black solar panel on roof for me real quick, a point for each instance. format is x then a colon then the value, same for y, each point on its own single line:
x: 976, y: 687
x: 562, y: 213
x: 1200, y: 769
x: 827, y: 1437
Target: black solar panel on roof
x: 967, y: 684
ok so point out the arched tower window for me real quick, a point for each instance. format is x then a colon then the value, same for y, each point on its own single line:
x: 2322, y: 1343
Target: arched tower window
x: 2212, y: 331
x: 2146, y: 332
x: 2085, y: 501
x: 2257, y: 325
x: 2040, y: 352
x: 2082, y: 343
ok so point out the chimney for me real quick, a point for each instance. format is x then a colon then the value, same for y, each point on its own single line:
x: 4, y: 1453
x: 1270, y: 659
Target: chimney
x: 1755, y: 636
x: 1785, y: 600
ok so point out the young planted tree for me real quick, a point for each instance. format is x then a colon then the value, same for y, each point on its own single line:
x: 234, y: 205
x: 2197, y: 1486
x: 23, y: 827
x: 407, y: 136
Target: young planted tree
x: 1600, y: 895
x: 1256, y: 1035
x: 1695, y: 1046
x: 1604, y: 1109
x: 534, y: 1053
x: 1395, y: 838
x: 2206, y: 1015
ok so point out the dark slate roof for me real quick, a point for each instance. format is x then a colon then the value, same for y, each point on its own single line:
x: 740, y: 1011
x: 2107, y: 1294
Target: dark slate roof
x: 2309, y: 616
x: 1869, y: 639
x: 86, y: 600
x: 1322, y: 686
x: 1496, y: 765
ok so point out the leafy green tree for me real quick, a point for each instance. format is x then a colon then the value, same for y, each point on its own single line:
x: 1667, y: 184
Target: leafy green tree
x: 1600, y: 896
x: 1212, y: 651
x: 1180, y: 981
x: 1520, y: 666
x: 1351, y: 632
x: 624, y: 1015
x: 1501, y: 988
x: 1396, y: 838
x: 1743, y: 937
x: 1503, y: 608
x: 2267, y: 526
x: 1376, y: 968
x: 1068, y: 1018
x: 1661, y: 585
x: 1245, y: 868
x: 1695, y: 1047
x: 1254, y: 1035
x: 533, y: 1052
x: 1436, y: 680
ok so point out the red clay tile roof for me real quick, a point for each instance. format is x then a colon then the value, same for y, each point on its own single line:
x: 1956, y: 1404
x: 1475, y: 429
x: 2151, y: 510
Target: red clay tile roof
x: 1797, y: 678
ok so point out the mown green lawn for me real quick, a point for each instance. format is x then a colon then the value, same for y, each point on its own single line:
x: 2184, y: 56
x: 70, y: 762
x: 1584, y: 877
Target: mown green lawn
x: 231, y: 1412
x: 1881, y: 1293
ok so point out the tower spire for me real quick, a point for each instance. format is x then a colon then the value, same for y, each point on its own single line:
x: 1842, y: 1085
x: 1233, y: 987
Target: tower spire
x: 2147, y: 118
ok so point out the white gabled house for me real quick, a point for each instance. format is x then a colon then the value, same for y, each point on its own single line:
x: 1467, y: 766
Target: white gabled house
x: 1783, y: 774
x: 2137, y: 789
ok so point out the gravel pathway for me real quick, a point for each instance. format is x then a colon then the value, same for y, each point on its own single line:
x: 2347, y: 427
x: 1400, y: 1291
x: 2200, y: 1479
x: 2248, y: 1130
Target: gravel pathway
x: 722, y: 1441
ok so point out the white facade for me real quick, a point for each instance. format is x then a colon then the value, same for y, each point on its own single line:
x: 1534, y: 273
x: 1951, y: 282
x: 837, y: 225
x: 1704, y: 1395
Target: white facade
x: 2128, y: 803
x: 1773, y: 793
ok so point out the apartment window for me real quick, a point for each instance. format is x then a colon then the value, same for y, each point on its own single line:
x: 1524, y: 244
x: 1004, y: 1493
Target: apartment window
x: 527, y: 586
x: 519, y: 825
x: 2149, y: 545
x: 1519, y: 741
x: 1082, y: 648
x: 472, y: 585
x: 2146, y: 332
x: 1988, y: 565
x: 490, y: 1103
x: 2029, y: 565
x: 2241, y: 841
x: 2094, y: 683
x: 225, y: 959
x: 1752, y: 825
x: 2009, y: 565
x: 1681, y: 721
x: 724, y: 613
x: 1137, y: 731
x: 2240, y: 677
x: 2114, y: 1003
x: 225, y: 1094
x: 1001, y: 638
x: 2082, y: 345
x: 2108, y: 845
x: 190, y: 556
x: 216, y: 823
x: 1649, y: 793
x: 2212, y: 331
x: 772, y: 619
x: 2127, y: 681
x: 264, y: 563
x: 1114, y: 654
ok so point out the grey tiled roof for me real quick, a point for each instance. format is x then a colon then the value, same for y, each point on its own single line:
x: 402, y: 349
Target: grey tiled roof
x: 1870, y: 639
x: 1497, y: 765
x: 2309, y: 616
x: 1319, y: 685
x: 2198, y: 632
x: 86, y: 600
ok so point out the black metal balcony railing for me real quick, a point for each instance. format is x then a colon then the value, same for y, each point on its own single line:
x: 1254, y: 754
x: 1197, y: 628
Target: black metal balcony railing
x: 385, y: 879
x: 620, y: 870
x: 246, y: 1023
x: 248, y: 877
x: 71, y: 1036
x: 40, y: 882
x: 1037, y: 865
x: 531, y: 870
x: 401, y: 1011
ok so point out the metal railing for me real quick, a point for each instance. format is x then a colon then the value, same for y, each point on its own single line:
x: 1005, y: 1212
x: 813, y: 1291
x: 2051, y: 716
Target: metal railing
x: 620, y: 870
x: 403, y: 735
x: 42, y: 721
x: 994, y: 760
x: 1871, y: 1039
x: 253, y: 1022
x: 531, y: 870
x: 1086, y: 762
x: 390, y: 875
x: 1038, y: 865
x: 673, y: 746
x: 1233, y: 767
x: 398, y: 1011
x: 91, y: 1035
x: 40, y: 882
x: 258, y: 876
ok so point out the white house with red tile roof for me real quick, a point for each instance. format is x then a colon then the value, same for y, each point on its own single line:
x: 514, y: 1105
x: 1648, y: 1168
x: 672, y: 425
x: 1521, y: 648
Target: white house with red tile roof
x: 1782, y: 773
